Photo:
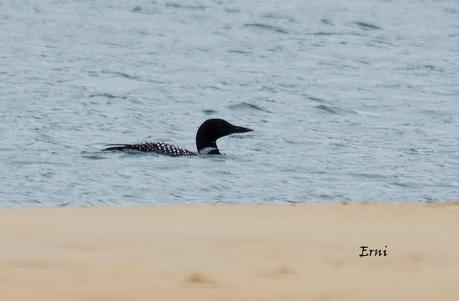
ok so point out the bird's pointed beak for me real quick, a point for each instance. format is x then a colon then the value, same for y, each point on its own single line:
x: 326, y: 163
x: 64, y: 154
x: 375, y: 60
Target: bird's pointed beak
x: 240, y: 129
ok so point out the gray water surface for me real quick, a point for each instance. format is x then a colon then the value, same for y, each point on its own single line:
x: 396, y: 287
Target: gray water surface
x: 350, y: 100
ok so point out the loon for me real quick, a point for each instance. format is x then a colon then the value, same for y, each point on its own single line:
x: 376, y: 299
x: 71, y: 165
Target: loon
x: 206, y: 138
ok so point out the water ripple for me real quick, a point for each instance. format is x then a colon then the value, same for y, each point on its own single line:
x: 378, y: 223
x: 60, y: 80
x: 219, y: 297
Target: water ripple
x: 266, y: 27
x: 367, y: 26
x: 184, y: 6
x: 334, y: 109
x: 246, y: 106
x: 209, y: 112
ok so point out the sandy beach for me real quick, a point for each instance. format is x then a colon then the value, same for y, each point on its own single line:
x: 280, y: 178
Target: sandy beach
x: 226, y: 252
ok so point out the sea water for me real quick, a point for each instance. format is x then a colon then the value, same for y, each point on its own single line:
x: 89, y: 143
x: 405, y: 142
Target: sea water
x: 349, y: 100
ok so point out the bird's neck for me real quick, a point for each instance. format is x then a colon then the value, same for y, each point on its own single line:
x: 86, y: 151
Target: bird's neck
x: 207, y: 147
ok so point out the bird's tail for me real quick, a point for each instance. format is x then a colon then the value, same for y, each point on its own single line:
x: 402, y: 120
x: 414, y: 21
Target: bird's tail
x: 117, y: 147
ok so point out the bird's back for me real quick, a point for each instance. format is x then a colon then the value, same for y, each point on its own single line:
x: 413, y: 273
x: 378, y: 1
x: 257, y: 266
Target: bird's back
x: 159, y: 148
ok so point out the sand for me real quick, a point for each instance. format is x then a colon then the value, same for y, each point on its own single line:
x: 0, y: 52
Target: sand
x: 253, y: 252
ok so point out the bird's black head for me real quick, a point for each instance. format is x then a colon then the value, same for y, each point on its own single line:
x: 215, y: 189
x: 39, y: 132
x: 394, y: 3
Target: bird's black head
x: 211, y: 130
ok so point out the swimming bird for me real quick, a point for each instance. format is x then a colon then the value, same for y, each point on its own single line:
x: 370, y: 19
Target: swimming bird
x: 206, y: 138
